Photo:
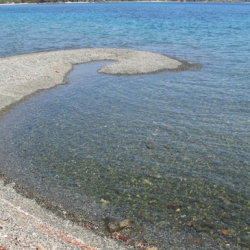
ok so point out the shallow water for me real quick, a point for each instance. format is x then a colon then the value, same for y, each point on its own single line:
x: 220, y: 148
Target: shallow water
x: 153, y: 151
x: 165, y: 149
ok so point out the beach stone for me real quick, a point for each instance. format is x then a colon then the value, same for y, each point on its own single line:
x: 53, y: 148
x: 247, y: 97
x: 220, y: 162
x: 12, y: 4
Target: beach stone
x: 40, y: 247
x: 150, y: 145
x: 114, y: 226
x: 126, y: 223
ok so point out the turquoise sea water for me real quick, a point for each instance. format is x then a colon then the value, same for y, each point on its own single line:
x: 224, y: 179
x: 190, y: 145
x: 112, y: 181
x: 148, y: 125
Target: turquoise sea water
x: 164, y: 149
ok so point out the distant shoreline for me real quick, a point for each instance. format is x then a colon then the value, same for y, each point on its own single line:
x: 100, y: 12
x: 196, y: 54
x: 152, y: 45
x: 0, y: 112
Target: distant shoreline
x: 18, y: 2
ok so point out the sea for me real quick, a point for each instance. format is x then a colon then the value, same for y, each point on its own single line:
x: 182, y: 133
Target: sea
x: 169, y: 151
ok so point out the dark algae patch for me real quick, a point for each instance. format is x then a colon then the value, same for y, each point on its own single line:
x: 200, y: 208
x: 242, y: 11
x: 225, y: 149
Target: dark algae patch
x: 132, y: 156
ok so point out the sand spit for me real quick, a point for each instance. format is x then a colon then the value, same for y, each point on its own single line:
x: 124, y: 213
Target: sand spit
x: 24, y: 75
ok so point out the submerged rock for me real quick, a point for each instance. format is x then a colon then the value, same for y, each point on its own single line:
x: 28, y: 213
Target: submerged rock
x: 115, y: 225
x: 150, y: 145
x: 126, y: 223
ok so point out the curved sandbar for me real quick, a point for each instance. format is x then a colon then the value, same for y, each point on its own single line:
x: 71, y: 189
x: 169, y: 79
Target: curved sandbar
x: 21, y: 76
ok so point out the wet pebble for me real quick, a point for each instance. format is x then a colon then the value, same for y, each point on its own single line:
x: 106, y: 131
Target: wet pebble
x: 126, y: 223
x: 115, y: 225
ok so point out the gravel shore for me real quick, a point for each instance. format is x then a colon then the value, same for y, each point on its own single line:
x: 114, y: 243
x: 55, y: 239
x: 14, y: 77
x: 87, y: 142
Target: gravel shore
x: 26, y: 225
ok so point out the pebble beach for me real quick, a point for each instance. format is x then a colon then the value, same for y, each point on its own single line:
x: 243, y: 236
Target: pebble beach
x: 26, y: 225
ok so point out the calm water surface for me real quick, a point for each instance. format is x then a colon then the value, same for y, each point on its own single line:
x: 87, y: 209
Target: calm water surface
x: 164, y: 149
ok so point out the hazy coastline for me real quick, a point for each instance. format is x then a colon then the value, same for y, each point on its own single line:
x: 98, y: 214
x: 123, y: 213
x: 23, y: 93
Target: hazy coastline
x: 19, y: 2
